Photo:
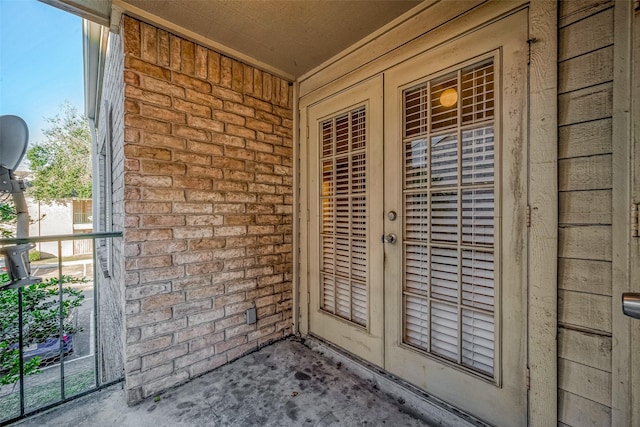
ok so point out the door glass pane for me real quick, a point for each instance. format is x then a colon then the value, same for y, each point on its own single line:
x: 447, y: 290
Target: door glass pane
x: 343, y: 200
x: 449, y: 217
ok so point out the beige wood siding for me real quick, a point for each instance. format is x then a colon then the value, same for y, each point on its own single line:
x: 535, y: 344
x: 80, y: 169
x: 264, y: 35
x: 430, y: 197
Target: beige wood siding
x: 585, y: 74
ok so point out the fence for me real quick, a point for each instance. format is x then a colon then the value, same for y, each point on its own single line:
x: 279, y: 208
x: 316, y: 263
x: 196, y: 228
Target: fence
x: 51, y: 349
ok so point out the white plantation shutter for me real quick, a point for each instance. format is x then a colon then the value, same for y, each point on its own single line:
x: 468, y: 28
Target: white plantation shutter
x: 344, y: 262
x: 449, y: 217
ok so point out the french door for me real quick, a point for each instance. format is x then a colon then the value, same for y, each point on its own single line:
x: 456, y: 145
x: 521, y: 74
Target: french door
x: 418, y: 207
x: 346, y: 181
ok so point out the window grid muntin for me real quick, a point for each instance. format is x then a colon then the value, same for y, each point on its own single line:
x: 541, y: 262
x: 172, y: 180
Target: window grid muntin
x: 411, y: 136
x: 355, y: 230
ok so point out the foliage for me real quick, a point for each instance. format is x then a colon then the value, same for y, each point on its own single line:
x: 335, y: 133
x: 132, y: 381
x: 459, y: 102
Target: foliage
x: 62, y: 164
x: 41, y: 313
x: 35, y: 255
x: 8, y: 218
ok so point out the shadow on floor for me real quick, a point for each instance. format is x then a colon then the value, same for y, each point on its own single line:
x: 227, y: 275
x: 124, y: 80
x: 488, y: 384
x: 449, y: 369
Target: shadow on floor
x: 285, y: 384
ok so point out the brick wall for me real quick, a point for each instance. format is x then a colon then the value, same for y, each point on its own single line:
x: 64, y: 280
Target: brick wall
x: 207, y: 208
x: 110, y: 128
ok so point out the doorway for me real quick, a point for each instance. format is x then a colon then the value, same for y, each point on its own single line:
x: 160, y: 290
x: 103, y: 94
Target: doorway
x: 417, y: 195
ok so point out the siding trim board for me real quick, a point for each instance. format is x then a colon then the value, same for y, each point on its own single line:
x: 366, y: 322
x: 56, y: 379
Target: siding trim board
x: 624, y: 360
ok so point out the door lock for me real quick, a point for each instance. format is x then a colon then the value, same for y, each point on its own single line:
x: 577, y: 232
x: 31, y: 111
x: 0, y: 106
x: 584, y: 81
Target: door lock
x: 390, y: 238
x: 392, y: 215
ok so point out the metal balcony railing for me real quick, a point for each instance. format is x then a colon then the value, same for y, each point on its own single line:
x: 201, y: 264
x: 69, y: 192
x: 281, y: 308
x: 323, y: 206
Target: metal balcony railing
x: 51, y: 343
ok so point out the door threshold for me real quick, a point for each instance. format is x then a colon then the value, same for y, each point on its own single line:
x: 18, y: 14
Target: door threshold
x: 431, y: 409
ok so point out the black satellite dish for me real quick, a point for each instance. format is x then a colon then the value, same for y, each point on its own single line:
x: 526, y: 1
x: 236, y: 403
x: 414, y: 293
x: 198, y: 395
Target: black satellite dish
x: 14, y: 138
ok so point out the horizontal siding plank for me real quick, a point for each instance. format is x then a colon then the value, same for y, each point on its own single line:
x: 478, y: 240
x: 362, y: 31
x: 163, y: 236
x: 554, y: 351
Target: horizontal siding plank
x: 585, y: 348
x: 585, y: 173
x: 582, y: 275
x: 586, y: 70
x: 576, y: 411
x: 584, y: 207
x: 571, y: 11
x: 585, y: 242
x: 585, y: 139
x: 585, y: 381
x: 587, y: 35
x: 582, y: 310
x: 585, y: 105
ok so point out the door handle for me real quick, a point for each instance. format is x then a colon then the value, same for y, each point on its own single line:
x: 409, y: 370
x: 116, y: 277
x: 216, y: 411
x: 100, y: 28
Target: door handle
x: 631, y: 304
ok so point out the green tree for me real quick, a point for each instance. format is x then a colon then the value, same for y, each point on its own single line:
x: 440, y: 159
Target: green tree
x: 62, y: 164
x: 41, y: 313
x: 8, y: 219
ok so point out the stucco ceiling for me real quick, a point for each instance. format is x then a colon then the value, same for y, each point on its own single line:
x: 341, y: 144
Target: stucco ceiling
x: 293, y: 36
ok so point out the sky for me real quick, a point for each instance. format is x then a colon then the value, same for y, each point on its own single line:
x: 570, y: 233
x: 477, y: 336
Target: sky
x: 40, y: 62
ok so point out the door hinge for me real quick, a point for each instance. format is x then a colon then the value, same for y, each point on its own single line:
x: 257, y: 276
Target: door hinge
x: 528, y: 378
x: 635, y: 220
x: 308, y: 298
x: 528, y: 216
x: 307, y: 133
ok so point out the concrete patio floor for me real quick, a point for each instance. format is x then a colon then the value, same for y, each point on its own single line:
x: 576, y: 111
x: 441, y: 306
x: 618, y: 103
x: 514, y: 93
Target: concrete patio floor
x: 284, y: 384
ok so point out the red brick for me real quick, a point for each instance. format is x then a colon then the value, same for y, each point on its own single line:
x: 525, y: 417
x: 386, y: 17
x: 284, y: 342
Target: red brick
x: 238, y: 153
x: 193, y: 183
x: 205, y: 196
x: 227, y: 345
x: 229, y: 208
x: 191, y: 158
x: 205, y: 220
x: 240, y: 131
x: 191, y: 82
x: 257, y: 83
x: 230, y: 186
x: 131, y: 36
x: 225, y: 163
x: 162, y: 220
x: 175, y: 52
x: 259, y: 146
x: 156, y: 302
x: 226, y: 117
x: 147, y: 235
x: 237, y: 175
x: 135, y: 180
x: 207, y: 171
x: 192, y: 108
x: 204, y: 268
x: 192, y: 208
x: 200, y: 244
x: 131, y: 150
x: 259, y: 125
x: 213, y: 63
x: 225, y: 72
x: 146, y: 68
x: 167, y: 141
x: 187, y: 57
x: 166, y: 168
x: 191, y: 133
x: 205, y: 123
x: 163, y: 195
x: 154, y: 248
x: 192, y: 232
x: 237, y: 76
x: 238, y: 108
x: 201, y: 62
x: 147, y: 124
x: 163, y: 48
x: 240, y: 351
